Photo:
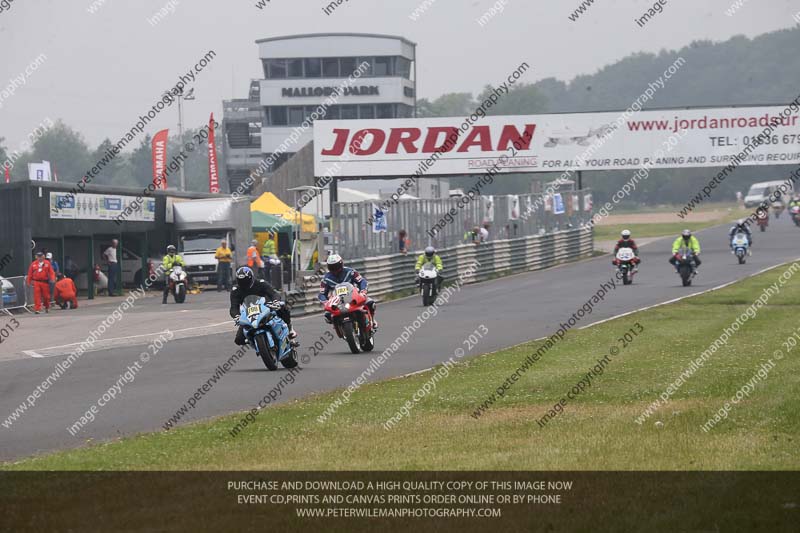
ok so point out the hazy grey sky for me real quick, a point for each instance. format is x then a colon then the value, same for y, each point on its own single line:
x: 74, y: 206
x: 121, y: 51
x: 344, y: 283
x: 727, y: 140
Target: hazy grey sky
x: 104, y: 69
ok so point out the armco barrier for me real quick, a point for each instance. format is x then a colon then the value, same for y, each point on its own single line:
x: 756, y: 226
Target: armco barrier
x: 393, y: 273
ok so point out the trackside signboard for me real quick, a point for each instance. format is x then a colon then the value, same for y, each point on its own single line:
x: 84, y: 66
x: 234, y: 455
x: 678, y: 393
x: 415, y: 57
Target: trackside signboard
x: 546, y: 143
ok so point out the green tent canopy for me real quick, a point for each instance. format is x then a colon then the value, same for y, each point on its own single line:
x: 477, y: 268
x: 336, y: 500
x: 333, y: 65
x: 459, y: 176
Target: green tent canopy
x: 263, y: 222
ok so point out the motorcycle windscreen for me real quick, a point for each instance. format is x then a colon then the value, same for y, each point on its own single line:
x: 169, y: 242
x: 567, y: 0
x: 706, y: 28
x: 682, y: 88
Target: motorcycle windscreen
x: 343, y: 290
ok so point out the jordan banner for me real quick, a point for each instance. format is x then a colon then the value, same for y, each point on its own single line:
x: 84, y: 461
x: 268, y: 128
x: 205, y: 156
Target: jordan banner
x: 671, y: 138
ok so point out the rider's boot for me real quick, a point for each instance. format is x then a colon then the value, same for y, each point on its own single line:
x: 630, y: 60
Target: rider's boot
x: 293, y: 337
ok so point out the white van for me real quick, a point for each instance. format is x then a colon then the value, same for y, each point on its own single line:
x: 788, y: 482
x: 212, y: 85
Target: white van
x: 760, y: 191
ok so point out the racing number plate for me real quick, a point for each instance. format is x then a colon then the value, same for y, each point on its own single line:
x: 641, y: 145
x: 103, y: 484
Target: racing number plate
x: 340, y: 291
x: 253, y: 310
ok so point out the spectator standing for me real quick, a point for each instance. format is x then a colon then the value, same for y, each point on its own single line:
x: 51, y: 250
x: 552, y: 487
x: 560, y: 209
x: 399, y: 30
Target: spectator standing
x: 53, y: 263
x: 56, y: 272
x: 40, y: 274
x: 66, y: 294
x: 267, y: 251
x: 254, y: 260
x: 484, y: 233
x: 403, y: 242
x: 110, y: 256
x: 224, y: 257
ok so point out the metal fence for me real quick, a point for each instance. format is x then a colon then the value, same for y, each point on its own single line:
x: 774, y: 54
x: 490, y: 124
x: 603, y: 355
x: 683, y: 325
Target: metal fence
x: 393, y: 273
x: 444, y: 223
x: 14, y: 294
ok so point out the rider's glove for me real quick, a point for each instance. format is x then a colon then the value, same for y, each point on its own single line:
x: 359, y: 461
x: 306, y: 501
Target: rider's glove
x: 236, y: 320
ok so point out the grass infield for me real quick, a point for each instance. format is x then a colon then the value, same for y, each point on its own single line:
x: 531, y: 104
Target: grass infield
x: 596, y: 430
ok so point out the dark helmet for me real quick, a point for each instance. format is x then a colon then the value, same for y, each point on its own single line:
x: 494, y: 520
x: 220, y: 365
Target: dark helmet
x: 429, y: 251
x: 245, y: 278
x: 171, y: 249
x: 335, y: 263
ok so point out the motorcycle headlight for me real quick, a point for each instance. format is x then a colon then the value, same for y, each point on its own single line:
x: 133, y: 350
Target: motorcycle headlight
x: 346, y: 307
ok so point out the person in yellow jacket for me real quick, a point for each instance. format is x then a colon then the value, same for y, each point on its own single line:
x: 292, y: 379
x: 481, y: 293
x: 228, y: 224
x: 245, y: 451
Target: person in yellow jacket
x: 430, y: 256
x: 268, y: 250
x: 686, y: 241
x: 224, y: 257
x: 169, y: 261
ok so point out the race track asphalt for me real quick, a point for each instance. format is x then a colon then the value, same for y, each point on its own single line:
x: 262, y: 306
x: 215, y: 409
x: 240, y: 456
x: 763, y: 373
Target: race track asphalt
x: 514, y: 310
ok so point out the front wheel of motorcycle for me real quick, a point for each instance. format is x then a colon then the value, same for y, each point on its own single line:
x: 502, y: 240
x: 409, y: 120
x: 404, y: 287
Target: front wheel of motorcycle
x: 264, y: 352
x: 290, y: 361
x: 350, y: 336
x: 686, y: 276
x: 426, y: 294
x: 626, y: 280
x: 180, y: 294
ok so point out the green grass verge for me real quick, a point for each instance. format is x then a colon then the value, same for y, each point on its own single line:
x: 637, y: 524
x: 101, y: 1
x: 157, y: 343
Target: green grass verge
x: 611, y: 231
x: 627, y: 209
x: 596, y: 431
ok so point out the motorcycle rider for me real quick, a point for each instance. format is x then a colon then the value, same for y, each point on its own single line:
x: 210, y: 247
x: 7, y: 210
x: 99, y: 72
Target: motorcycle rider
x: 740, y: 227
x: 247, y: 285
x: 338, y: 273
x: 169, y: 261
x: 685, y: 241
x: 794, y: 202
x: 430, y: 256
x: 627, y: 242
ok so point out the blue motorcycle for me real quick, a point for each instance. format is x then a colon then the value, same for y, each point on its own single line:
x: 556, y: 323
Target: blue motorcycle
x: 267, y: 333
x: 739, y: 247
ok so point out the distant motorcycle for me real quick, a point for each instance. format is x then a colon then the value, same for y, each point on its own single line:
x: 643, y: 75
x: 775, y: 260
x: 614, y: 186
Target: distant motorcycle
x: 626, y: 265
x: 686, y: 267
x: 762, y: 219
x: 351, y: 317
x: 177, y: 284
x: 428, y: 283
x: 740, y: 246
x: 778, y: 208
x: 267, y: 333
x: 796, y: 214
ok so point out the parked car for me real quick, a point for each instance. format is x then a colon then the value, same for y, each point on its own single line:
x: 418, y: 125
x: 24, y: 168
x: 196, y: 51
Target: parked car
x: 9, y: 293
x: 131, y: 265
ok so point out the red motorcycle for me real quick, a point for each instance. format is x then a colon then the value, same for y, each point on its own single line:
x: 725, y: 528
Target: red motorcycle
x: 351, y: 317
x: 762, y: 219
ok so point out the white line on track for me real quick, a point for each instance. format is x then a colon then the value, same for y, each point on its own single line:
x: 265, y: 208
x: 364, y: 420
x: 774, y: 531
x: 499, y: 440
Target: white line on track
x: 718, y: 287
x: 103, y: 342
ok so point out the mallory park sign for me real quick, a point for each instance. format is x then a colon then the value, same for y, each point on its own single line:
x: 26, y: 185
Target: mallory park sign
x: 363, y: 90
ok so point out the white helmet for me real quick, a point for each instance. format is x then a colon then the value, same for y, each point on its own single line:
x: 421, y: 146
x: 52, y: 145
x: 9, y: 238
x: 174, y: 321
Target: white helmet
x: 429, y: 251
x: 626, y: 234
x: 686, y: 233
x: 335, y: 263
